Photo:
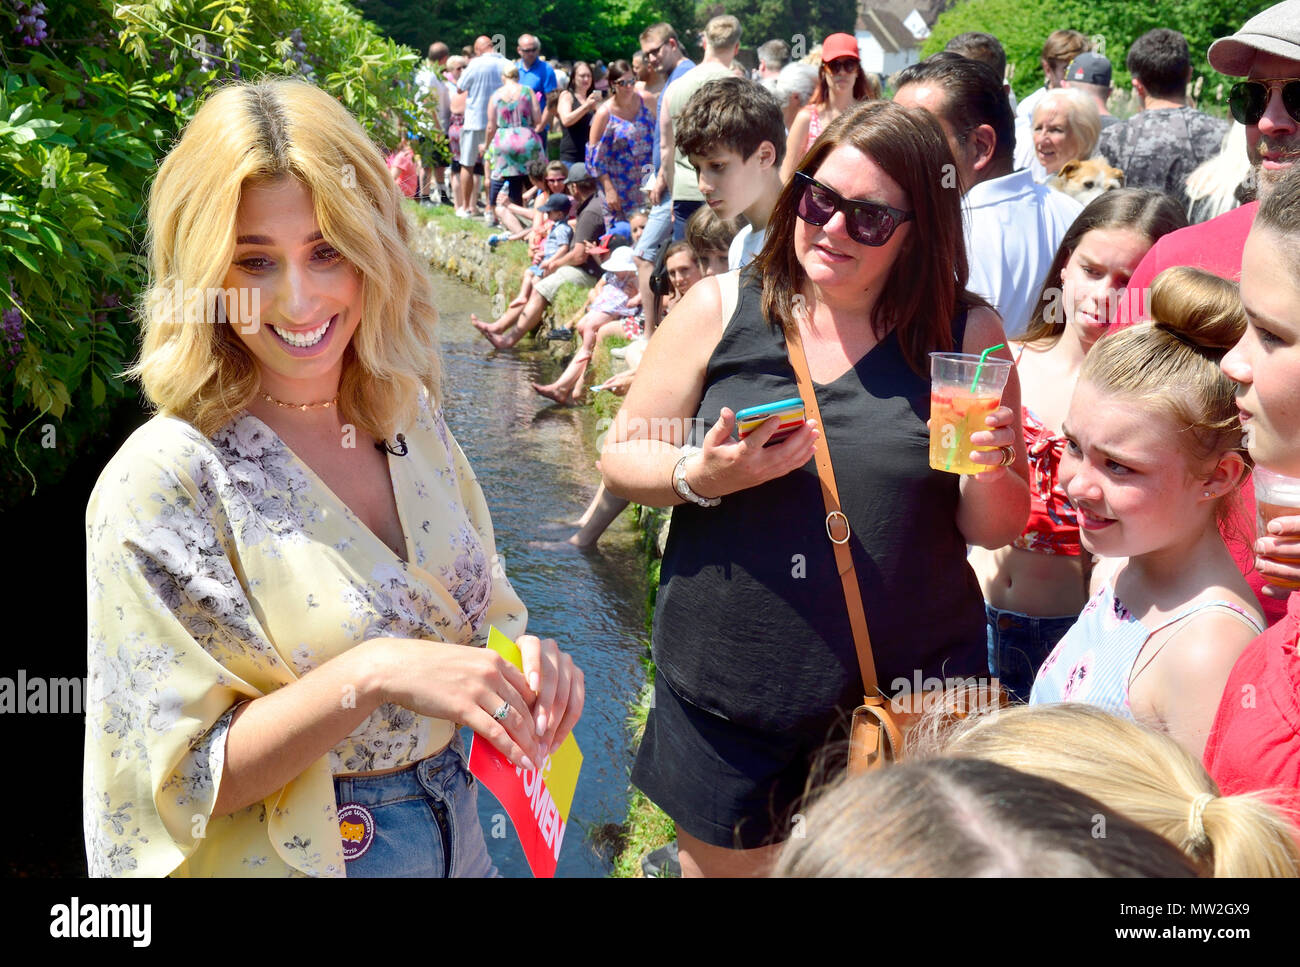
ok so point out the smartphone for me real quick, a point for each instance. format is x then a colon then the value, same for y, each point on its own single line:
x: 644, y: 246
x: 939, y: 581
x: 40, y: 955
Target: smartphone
x: 790, y: 412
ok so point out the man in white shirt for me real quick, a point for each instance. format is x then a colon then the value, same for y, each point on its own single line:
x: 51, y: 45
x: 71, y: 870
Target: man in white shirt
x: 479, y: 80
x: 1013, y: 225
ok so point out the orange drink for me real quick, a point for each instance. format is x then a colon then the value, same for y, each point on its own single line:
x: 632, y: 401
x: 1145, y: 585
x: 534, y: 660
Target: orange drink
x: 963, y: 391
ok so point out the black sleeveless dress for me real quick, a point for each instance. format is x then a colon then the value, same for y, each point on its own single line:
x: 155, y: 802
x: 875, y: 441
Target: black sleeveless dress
x: 573, y: 140
x: 756, y: 665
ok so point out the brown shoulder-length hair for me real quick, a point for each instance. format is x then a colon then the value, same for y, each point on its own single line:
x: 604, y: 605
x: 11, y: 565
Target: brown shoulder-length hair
x: 927, y: 285
x: 864, y: 87
x: 1152, y: 214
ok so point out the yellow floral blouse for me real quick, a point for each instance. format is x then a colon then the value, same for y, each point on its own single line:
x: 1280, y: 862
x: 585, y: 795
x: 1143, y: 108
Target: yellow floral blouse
x: 221, y: 569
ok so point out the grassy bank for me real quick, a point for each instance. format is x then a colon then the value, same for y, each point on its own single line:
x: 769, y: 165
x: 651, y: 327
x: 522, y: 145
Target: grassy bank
x: 646, y: 827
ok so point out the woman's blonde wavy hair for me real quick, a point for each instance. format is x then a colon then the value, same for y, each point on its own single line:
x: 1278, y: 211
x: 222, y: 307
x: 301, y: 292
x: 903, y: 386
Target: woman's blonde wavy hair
x: 1142, y: 774
x: 252, y: 132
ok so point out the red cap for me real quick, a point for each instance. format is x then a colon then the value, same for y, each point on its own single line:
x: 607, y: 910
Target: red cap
x: 840, y: 45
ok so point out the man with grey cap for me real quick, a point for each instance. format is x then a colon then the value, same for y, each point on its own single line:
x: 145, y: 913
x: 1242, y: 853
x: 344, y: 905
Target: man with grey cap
x: 1162, y: 144
x: 1266, y: 53
x: 1090, y: 73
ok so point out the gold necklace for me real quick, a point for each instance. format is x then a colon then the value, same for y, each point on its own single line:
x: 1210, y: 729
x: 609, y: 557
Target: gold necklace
x: 300, y: 406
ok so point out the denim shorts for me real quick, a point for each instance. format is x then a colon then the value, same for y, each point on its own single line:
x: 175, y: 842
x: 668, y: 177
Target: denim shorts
x: 1019, y: 644
x: 657, y: 232
x: 421, y: 821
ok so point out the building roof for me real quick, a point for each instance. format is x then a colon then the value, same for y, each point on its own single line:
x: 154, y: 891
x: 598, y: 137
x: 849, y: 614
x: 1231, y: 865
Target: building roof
x: 888, y: 30
x: 928, y: 9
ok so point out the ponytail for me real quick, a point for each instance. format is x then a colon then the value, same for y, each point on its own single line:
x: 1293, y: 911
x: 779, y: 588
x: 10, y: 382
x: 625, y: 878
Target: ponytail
x: 1142, y: 774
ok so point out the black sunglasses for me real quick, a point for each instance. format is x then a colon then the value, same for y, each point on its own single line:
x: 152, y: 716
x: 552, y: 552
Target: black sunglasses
x: 842, y: 65
x: 1248, y: 100
x: 868, y: 222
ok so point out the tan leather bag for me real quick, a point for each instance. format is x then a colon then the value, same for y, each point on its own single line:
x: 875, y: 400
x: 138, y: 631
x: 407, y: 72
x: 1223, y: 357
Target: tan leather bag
x: 879, y: 725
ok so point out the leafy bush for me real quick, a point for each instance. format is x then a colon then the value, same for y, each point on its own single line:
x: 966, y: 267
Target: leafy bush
x: 94, y: 93
x: 1023, y: 25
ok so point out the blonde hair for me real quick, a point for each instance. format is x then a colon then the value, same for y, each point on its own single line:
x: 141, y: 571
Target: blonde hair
x: 722, y: 32
x: 1172, y: 364
x: 510, y: 71
x: 1141, y: 774
x: 1081, y: 113
x: 970, y: 817
x: 253, y: 132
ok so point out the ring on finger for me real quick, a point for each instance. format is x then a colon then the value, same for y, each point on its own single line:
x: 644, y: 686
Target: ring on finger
x: 501, y: 713
x: 1008, y: 455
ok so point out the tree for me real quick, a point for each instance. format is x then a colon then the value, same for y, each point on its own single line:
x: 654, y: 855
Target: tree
x: 567, y: 29
x: 764, y: 20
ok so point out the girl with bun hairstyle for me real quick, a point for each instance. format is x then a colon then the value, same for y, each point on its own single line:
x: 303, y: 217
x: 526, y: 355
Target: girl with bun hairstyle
x: 1134, y: 771
x: 1153, y: 461
x: 1035, y: 587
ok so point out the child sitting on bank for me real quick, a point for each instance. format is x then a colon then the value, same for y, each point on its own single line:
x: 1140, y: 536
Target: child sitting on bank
x: 520, y: 220
x: 732, y: 132
x: 609, y: 315
x: 1153, y: 462
x: 621, y: 234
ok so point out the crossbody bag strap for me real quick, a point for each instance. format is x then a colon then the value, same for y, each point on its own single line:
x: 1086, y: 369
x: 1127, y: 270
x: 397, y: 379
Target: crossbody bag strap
x: 837, y: 524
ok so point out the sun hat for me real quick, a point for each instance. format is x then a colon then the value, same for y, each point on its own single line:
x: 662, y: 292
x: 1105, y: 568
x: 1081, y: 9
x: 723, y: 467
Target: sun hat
x: 620, y: 260
x: 1274, y: 31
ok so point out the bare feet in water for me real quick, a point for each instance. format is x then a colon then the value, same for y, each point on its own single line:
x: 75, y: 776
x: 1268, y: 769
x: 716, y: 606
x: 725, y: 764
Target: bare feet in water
x: 551, y: 393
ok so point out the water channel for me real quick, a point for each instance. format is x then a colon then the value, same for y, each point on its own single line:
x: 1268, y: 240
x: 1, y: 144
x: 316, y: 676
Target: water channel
x: 535, y: 462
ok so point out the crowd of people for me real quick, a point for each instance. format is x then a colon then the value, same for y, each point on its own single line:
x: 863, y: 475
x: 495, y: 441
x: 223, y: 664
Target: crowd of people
x: 784, y: 234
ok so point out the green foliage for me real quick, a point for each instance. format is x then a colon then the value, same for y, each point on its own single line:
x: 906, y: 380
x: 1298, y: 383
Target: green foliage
x: 1023, y: 25
x: 572, y: 30
x: 85, y: 117
x: 763, y: 20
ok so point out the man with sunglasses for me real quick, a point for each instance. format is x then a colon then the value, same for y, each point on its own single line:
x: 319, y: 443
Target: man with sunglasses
x: 538, y: 76
x: 1265, y: 52
x: 662, y: 52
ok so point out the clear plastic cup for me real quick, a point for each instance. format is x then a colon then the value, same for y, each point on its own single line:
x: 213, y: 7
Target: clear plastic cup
x: 1276, y: 495
x: 963, y: 391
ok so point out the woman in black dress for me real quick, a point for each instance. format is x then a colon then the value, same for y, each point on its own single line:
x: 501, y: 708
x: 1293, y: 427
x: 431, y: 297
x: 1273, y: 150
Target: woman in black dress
x: 576, y: 106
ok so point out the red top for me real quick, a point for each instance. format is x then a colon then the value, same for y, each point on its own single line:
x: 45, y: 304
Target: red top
x: 1053, y: 526
x: 1255, y: 741
x: 1214, y: 246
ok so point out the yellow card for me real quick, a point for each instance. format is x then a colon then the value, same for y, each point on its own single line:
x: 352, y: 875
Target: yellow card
x: 560, y: 771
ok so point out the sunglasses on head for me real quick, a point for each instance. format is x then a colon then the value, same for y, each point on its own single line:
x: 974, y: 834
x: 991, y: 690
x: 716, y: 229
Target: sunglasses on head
x: 842, y: 65
x: 868, y: 222
x: 1248, y: 100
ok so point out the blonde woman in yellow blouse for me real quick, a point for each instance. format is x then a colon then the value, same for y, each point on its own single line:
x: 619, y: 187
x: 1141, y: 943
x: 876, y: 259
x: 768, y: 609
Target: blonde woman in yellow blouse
x: 287, y: 563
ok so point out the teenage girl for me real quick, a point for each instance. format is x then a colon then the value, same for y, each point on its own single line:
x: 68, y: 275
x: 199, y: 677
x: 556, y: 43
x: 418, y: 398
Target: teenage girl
x: 1153, y: 461
x: 1035, y: 587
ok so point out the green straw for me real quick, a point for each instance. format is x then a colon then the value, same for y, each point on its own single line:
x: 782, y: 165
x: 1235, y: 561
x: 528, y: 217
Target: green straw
x: 952, y: 451
x: 980, y: 368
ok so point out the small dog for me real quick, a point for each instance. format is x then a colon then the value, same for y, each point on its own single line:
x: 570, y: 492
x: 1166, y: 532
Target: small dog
x: 1086, y: 180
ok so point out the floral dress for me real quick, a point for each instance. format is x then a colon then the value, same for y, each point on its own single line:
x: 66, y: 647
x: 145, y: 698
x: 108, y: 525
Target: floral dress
x: 622, y: 153
x: 515, y: 142
x: 220, y: 569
